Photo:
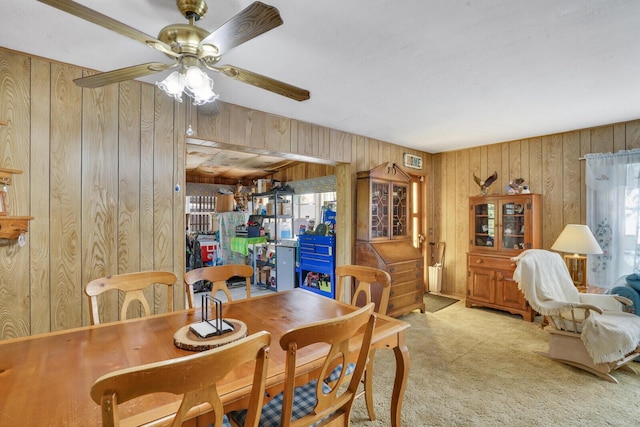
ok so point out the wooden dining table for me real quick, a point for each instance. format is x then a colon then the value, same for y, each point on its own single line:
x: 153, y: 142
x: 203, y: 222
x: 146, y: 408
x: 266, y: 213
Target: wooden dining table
x: 45, y: 379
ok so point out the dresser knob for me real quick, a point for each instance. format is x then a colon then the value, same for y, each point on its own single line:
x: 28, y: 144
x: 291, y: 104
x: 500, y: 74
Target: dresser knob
x: 478, y: 261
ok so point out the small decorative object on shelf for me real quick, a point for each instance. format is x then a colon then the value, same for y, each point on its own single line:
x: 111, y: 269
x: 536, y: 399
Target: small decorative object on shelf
x: 515, y: 186
x: 3, y: 208
x: 485, y: 184
x: 240, y: 198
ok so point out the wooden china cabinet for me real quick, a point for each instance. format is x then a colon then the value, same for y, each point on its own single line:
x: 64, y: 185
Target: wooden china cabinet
x: 384, y: 238
x: 500, y: 227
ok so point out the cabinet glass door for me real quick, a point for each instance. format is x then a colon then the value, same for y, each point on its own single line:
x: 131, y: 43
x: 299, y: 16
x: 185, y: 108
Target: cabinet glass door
x: 399, y: 206
x: 379, y: 209
x: 484, y: 225
x: 513, y: 226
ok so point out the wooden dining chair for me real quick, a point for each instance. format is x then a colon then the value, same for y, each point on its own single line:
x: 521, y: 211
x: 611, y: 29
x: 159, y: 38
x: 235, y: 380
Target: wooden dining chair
x: 132, y: 284
x: 195, y: 376
x: 371, y: 285
x: 218, y: 276
x: 316, y: 402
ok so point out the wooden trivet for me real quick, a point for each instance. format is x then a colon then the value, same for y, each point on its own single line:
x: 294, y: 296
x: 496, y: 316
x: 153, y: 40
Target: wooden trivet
x: 187, y: 340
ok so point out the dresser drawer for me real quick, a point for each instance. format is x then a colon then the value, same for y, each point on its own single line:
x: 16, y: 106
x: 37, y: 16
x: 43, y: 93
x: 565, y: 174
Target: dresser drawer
x: 401, y: 302
x: 405, y: 276
x: 400, y: 267
x: 406, y: 288
x: 491, y: 262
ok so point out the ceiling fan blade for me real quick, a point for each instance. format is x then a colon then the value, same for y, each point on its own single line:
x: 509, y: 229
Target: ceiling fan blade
x: 263, y: 82
x: 254, y: 20
x: 115, y: 76
x: 98, y: 18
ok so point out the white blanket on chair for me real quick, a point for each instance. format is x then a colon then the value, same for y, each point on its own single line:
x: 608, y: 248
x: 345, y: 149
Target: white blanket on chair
x: 610, y: 336
x: 544, y: 280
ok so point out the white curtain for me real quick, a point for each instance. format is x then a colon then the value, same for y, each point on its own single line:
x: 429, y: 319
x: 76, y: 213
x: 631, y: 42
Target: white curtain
x: 613, y: 214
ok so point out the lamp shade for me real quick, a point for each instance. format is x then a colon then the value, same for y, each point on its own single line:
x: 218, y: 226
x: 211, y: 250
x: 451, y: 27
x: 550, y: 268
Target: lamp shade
x: 577, y: 239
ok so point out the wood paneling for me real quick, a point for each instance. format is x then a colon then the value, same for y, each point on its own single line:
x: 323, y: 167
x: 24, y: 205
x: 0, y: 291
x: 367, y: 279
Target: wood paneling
x: 550, y: 166
x: 65, y: 198
x: 39, y: 236
x: 90, y: 163
x: 163, y: 188
x: 100, y: 170
x: 99, y: 194
x: 15, y: 318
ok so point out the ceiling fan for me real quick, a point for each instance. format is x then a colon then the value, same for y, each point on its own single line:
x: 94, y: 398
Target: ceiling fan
x: 189, y: 45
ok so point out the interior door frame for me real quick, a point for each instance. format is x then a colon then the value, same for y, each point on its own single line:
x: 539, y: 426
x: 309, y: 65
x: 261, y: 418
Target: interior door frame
x: 419, y: 221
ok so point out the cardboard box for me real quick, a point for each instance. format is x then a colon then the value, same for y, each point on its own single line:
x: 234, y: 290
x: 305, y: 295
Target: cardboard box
x: 264, y: 274
x: 264, y: 185
x: 224, y: 202
x: 285, y: 209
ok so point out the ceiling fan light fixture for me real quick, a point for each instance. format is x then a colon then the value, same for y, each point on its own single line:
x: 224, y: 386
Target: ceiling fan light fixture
x: 199, y: 86
x: 173, y: 85
x: 196, y: 79
x: 204, y: 96
x: 194, y: 82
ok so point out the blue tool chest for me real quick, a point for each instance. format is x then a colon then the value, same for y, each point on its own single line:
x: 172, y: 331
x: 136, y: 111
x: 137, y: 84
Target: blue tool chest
x: 317, y: 264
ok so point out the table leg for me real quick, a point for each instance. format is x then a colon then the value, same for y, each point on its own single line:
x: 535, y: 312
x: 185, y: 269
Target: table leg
x: 402, y: 373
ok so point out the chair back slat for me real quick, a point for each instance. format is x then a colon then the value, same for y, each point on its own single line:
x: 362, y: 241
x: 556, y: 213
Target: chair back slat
x: 192, y: 376
x: 335, y: 405
x: 218, y: 276
x: 372, y: 285
x: 132, y: 285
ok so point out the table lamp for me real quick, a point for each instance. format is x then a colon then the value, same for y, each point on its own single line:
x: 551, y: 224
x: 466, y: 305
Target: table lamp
x: 577, y: 239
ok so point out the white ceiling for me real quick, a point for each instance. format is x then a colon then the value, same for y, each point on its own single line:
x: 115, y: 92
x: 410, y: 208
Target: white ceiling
x: 435, y: 75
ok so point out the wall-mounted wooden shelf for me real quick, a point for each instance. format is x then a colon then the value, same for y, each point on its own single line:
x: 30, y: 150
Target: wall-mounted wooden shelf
x: 6, y: 175
x: 3, y: 123
x: 11, y: 227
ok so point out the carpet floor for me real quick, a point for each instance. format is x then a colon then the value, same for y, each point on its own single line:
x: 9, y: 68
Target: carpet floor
x: 477, y: 367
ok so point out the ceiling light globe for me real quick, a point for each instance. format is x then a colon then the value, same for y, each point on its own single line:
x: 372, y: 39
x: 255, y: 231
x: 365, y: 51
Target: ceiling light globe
x: 173, y: 85
x: 196, y: 78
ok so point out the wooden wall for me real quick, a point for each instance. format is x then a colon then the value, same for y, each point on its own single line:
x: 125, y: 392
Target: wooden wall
x: 100, y: 168
x: 550, y: 166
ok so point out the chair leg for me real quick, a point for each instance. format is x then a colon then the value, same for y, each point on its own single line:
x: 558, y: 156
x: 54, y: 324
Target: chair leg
x: 368, y: 386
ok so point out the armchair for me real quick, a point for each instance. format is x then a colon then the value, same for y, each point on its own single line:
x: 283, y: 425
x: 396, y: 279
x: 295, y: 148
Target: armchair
x: 629, y: 287
x: 588, y: 331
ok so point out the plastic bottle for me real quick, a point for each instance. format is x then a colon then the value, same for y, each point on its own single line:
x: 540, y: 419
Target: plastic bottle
x: 285, y: 230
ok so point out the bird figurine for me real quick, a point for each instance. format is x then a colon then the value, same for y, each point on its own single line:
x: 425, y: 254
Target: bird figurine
x: 484, y: 185
x: 515, y: 186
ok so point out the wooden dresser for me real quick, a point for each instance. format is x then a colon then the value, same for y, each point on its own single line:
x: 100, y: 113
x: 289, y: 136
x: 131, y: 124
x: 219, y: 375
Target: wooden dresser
x: 383, y: 236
